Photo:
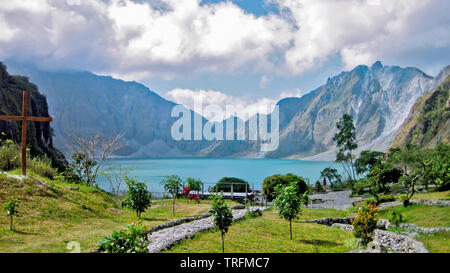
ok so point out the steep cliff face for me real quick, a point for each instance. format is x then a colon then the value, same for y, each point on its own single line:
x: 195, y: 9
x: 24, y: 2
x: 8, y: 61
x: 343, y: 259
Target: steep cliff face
x: 429, y: 120
x: 39, y: 134
x: 379, y: 98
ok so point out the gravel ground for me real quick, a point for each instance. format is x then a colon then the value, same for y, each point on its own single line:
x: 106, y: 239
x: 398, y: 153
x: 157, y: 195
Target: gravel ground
x: 336, y: 200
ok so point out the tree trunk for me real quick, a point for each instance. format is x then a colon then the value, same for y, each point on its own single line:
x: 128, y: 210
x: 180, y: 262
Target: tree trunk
x: 223, y: 242
x: 290, y: 228
x: 173, y: 205
x: 11, y: 223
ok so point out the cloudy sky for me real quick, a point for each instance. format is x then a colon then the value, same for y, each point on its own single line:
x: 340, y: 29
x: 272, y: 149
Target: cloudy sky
x: 240, y: 51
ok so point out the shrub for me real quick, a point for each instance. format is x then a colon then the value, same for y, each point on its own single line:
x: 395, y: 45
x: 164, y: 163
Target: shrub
x: 138, y: 198
x: 371, y: 201
x: 9, y: 155
x: 131, y: 240
x: 42, y: 166
x: 365, y: 223
x: 396, y: 218
x: 387, y: 198
x: 271, y: 182
x: 11, y: 210
x: 224, y: 185
x: 318, y: 187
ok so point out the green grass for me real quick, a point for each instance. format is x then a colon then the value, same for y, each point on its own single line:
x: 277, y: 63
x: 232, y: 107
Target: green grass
x: 436, y: 243
x: 270, y: 234
x: 422, y: 215
x: 432, y: 195
x: 52, y: 215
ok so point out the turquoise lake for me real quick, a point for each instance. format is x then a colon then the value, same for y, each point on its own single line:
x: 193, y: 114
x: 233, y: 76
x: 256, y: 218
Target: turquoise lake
x: 209, y: 170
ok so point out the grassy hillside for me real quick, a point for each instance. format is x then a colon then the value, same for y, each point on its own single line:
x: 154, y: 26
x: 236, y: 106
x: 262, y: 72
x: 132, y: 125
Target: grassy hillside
x: 53, y: 213
x: 429, y: 120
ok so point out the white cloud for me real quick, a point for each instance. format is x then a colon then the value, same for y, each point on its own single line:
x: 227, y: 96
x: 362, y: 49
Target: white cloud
x: 172, y: 38
x: 188, y: 97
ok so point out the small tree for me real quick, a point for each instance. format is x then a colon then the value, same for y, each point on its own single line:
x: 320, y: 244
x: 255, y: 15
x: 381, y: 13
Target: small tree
x: 346, y: 142
x: 89, y: 153
x: 138, y: 198
x: 194, y: 184
x: 396, y: 218
x: 271, y: 182
x: 365, y: 223
x: 172, y: 184
x: 332, y: 175
x: 11, y: 210
x: 289, y: 203
x: 379, y: 177
x: 367, y: 160
x: 116, y: 177
x: 223, y: 217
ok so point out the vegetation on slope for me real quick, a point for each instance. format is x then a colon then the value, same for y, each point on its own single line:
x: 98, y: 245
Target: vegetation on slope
x: 429, y: 122
x: 53, y: 213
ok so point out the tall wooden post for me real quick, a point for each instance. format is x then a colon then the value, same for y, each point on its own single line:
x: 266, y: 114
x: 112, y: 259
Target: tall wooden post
x: 25, y: 118
x: 24, y: 132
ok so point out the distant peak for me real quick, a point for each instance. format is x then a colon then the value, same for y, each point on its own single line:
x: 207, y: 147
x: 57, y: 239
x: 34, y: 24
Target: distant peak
x: 377, y: 65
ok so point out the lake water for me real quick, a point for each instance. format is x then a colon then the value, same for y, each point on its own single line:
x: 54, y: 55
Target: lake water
x: 209, y: 170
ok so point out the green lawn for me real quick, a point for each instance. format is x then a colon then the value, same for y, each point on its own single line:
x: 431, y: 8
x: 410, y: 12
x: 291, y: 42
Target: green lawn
x: 436, y: 243
x: 422, y: 215
x: 270, y: 234
x: 427, y: 216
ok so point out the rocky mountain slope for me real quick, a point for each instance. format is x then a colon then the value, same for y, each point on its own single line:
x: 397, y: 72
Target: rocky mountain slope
x: 39, y: 134
x: 378, y: 97
x: 429, y: 120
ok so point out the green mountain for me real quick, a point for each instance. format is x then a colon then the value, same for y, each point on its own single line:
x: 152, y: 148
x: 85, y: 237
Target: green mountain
x: 429, y: 121
x: 39, y: 134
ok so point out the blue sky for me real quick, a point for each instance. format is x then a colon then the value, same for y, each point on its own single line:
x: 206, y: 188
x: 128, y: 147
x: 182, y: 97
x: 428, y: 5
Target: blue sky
x: 245, y: 51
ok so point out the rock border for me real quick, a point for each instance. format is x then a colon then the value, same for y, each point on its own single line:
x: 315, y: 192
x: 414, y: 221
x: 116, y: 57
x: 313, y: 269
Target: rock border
x: 436, y: 202
x: 391, y: 240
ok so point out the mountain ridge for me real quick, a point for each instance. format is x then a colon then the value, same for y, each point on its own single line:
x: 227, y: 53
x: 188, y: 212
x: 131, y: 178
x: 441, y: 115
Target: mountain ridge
x: 379, y: 97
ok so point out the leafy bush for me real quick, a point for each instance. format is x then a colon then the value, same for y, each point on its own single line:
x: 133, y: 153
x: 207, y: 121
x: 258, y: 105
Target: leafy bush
x: 271, y: 182
x: 388, y: 198
x: 359, y: 187
x: 42, y: 166
x: 365, y: 223
x: 318, y: 187
x: 224, y: 185
x: 9, y: 155
x: 131, y: 240
x: 396, y: 218
x: 138, y: 198
x: 11, y: 210
x: 371, y: 201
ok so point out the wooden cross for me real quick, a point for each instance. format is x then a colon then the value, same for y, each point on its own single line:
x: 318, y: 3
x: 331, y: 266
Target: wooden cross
x: 24, y: 118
